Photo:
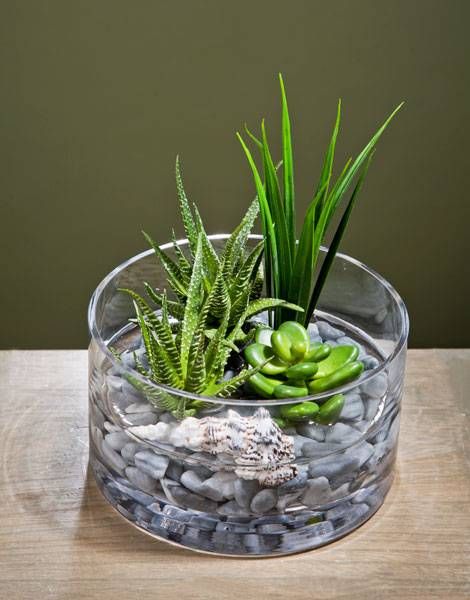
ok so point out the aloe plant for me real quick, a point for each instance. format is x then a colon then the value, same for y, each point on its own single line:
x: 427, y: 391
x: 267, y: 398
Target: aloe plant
x: 235, y: 274
x: 291, y: 268
x: 185, y: 356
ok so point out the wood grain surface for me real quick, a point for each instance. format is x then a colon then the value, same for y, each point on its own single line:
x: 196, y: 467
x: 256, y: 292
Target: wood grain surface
x: 60, y: 539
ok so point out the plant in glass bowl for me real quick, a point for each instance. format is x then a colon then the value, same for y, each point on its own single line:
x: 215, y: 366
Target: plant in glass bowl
x: 245, y: 390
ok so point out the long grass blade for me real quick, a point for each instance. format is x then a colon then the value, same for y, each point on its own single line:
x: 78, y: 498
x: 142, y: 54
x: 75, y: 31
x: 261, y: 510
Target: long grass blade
x: 288, y: 163
x: 328, y: 260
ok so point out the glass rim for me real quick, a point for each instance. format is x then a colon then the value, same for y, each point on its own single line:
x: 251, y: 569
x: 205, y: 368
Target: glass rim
x: 367, y: 376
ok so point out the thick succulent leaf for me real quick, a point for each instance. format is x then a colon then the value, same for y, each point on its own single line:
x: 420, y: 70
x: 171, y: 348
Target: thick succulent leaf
x: 186, y: 215
x: 193, y: 307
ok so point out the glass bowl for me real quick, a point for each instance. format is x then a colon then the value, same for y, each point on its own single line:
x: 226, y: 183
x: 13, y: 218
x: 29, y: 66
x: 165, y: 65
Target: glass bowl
x: 228, y: 480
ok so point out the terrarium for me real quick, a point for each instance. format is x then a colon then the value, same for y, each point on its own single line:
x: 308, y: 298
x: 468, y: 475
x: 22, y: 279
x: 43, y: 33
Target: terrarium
x: 245, y: 389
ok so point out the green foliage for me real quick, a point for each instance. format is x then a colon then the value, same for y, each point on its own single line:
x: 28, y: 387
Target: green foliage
x: 187, y: 354
x: 235, y: 274
x: 292, y: 270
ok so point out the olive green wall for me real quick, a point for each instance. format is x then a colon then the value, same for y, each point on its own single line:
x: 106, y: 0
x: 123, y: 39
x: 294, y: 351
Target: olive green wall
x: 98, y: 96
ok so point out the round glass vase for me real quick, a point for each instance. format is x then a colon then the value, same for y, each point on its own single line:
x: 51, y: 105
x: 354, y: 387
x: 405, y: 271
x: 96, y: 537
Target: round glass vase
x: 228, y: 480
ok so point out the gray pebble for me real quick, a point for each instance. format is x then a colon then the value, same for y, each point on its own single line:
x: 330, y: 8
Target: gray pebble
x: 117, y: 440
x: 317, y: 492
x: 353, y: 409
x: 244, y: 491
x: 174, y: 470
x: 114, y: 382
x: 138, y: 407
x: 299, y: 441
x: 370, y: 362
x: 141, y: 480
x: 312, y: 431
x: 377, y: 386
x: 147, y: 418
x: 313, y: 449
x: 192, y: 481
x: 297, y: 483
x: 231, y: 508
x: 372, y: 404
x: 271, y: 528
x: 340, y: 492
x: 152, y: 464
x: 129, y: 450
x: 113, y: 459
x: 313, y: 330
x: 352, y: 512
x: 328, y: 332
x: 263, y: 501
x: 334, y: 465
x: 142, y: 514
x: 220, y: 486
x: 193, y: 501
x: 286, y: 500
x: 341, y: 434
x: 132, y: 492
x: 167, y: 417
x: 203, y: 522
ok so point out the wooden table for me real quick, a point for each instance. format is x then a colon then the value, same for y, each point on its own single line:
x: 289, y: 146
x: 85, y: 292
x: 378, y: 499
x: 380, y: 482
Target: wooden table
x: 60, y: 539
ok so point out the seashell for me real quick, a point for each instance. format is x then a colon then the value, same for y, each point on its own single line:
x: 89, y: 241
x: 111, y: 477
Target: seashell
x: 257, y: 445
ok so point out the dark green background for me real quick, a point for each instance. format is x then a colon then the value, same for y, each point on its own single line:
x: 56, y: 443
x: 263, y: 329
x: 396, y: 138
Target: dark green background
x: 97, y: 97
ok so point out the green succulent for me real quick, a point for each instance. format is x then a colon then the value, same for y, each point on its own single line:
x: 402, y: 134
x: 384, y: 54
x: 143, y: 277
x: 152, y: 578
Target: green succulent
x: 182, y: 354
x: 236, y: 273
x: 289, y: 365
x: 291, y: 267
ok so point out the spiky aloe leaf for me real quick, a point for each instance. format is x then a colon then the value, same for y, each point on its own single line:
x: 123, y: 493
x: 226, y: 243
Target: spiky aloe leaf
x: 160, y: 326
x: 219, y: 298
x: 327, y: 169
x: 237, y: 240
x: 227, y: 387
x: 176, y: 309
x: 192, y: 308
x: 148, y: 339
x: 183, y: 262
x: 186, y: 215
x: 211, y: 260
x: 177, y: 279
x: 247, y: 273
